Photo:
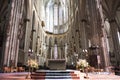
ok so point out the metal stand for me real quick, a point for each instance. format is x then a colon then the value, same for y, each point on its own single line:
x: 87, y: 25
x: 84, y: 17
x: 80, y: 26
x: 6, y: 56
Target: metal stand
x: 86, y: 72
x: 29, y: 57
x: 28, y: 76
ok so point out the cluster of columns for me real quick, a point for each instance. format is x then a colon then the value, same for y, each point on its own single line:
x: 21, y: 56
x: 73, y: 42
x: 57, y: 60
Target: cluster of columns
x: 116, y: 45
x: 13, y: 33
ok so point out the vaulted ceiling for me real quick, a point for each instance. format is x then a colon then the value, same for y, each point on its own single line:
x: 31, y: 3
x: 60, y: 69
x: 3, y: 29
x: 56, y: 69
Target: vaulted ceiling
x: 110, y: 7
x: 111, y: 10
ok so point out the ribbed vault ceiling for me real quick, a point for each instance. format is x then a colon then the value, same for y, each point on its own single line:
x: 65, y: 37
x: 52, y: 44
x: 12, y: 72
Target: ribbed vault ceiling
x: 111, y: 9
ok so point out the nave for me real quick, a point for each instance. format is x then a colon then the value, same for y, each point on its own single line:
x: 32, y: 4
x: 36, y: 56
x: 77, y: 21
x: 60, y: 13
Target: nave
x: 59, y: 35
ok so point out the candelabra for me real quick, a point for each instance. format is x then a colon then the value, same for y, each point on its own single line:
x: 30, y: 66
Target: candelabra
x: 86, y: 70
x: 29, y: 57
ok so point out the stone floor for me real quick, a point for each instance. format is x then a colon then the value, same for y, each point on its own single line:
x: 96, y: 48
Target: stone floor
x: 100, y: 76
x: 103, y: 76
x: 92, y: 76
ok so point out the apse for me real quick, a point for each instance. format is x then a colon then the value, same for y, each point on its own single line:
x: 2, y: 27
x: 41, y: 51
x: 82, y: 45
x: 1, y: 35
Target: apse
x: 56, y: 16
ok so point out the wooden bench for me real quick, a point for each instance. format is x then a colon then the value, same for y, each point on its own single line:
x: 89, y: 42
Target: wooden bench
x: 21, y: 69
x: 14, y: 69
x: 6, y: 69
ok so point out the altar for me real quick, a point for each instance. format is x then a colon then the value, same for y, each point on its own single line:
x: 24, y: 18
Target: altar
x: 57, y: 64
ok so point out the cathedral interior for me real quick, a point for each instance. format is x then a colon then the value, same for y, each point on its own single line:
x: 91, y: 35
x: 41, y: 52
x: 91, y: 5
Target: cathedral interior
x: 57, y: 33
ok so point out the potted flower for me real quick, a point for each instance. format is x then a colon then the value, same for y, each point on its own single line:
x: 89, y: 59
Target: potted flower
x: 82, y: 64
x: 32, y: 64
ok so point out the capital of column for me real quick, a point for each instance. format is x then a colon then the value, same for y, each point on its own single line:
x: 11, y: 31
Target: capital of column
x: 112, y: 20
x: 83, y: 20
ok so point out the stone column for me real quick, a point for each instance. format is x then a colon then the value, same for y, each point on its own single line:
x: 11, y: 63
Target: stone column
x: 9, y: 33
x: 83, y: 27
x: 114, y: 30
x: 84, y: 43
x: 17, y: 50
x: 59, y: 52
x: 62, y: 52
x: 11, y: 44
x: 50, y: 51
x: 105, y: 55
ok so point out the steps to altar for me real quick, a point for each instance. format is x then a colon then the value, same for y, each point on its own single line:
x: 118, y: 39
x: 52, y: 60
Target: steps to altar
x: 55, y: 75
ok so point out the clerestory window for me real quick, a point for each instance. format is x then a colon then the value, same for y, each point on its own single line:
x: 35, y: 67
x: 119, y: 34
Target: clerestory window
x: 56, y: 14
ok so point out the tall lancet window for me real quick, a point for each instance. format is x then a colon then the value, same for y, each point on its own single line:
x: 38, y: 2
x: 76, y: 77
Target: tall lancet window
x: 47, y: 18
x: 56, y: 16
x: 60, y: 16
x: 51, y: 19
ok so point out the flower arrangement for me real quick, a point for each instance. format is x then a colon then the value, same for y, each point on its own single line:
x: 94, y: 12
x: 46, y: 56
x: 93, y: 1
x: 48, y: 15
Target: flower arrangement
x: 32, y: 63
x: 82, y: 63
